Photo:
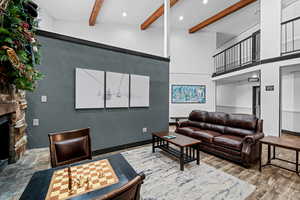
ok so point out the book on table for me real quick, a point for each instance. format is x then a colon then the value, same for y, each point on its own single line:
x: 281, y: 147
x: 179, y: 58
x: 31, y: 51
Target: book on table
x: 169, y: 137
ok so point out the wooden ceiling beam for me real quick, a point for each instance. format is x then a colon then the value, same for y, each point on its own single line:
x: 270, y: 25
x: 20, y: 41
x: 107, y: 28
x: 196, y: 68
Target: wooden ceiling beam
x: 220, y: 15
x: 95, y: 12
x: 157, y: 14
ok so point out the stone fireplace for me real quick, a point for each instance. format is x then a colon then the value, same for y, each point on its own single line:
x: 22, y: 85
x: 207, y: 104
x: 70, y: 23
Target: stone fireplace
x: 13, y: 137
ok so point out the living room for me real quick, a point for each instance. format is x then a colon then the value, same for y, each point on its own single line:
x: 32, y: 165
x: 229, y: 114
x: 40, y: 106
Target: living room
x: 162, y: 99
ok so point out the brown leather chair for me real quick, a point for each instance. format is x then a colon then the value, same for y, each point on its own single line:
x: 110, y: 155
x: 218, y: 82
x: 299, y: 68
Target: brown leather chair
x: 70, y: 147
x: 130, y: 191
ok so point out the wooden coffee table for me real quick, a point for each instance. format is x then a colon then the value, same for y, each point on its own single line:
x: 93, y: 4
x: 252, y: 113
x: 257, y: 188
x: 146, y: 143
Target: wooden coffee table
x: 189, y: 147
x: 274, y: 142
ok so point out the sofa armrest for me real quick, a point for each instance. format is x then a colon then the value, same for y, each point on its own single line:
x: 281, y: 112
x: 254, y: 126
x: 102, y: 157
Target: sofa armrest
x: 250, y: 147
x: 252, y: 139
x: 182, y: 124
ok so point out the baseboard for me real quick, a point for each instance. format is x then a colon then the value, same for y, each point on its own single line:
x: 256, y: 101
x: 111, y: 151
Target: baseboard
x: 290, y: 132
x: 120, y: 147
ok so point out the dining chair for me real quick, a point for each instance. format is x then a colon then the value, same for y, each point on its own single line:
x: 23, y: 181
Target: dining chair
x: 70, y: 147
x: 130, y: 191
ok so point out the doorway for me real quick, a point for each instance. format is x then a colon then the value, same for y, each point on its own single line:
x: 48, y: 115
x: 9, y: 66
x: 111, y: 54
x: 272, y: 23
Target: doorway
x: 256, y: 101
x: 289, y: 100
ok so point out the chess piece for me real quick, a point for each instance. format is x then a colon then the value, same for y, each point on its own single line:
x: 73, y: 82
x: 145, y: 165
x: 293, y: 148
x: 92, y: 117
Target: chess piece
x: 70, y: 183
x: 100, y: 174
x: 81, y: 181
x: 70, y: 178
x: 87, y: 183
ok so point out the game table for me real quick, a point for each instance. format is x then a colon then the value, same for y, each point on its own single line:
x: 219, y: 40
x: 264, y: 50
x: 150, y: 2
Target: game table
x: 38, y: 185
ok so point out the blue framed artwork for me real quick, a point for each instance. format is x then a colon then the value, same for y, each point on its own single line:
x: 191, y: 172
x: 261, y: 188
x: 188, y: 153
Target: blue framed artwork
x: 188, y: 93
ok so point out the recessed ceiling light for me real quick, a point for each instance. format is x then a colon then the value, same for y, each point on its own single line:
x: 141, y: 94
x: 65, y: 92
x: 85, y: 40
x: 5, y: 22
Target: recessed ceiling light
x: 205, y: 1
x: 124, y: 14
x: 181, y: 18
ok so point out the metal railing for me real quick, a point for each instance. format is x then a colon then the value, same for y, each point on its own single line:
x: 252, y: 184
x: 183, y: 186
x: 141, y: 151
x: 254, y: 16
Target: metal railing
x: 238, y: 55
x: 290, y: 36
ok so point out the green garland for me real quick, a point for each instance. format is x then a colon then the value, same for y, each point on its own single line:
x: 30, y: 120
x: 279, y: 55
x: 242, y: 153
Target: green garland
x: 19, y: 49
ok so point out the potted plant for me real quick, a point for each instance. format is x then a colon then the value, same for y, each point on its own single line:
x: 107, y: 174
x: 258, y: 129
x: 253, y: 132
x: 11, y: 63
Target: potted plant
x: 19, y: 48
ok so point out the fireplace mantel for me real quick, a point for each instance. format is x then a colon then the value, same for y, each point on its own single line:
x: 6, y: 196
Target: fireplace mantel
x: 6, y: 108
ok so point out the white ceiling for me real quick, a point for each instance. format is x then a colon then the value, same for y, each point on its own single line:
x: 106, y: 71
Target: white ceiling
x: 193, y: 11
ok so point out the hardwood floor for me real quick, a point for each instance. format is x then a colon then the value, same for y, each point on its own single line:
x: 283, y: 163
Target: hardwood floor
x: 272, y: 183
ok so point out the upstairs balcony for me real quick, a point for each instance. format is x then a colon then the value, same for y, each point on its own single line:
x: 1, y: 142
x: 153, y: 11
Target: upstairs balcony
x: 246, y: 53
x: 239, y: 55
x: 290, y: 36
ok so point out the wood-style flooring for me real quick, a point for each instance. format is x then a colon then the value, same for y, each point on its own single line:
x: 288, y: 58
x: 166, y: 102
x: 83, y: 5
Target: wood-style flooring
x: 272, y: 183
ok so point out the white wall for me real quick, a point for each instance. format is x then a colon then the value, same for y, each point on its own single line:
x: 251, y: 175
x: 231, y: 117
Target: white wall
x: 192, y: 64
x: 235, y: 97
x: 270, y: 28
x: 291, y: 101
x: 291, y: 11
x: 119, y: 35
x: 45, y: 20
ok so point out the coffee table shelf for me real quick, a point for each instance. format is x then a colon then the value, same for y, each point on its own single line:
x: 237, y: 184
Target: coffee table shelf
x: 188, y: 147
x: 176, y: 153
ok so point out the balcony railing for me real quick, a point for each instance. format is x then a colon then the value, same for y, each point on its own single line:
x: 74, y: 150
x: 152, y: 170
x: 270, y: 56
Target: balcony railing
x: 290, y: 36
x: 238, y: 55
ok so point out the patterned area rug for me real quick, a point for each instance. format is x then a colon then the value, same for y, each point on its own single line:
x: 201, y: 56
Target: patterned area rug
x: 165, y: 181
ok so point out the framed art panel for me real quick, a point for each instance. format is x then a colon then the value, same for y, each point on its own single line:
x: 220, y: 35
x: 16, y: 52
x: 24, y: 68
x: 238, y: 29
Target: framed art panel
x: 139, y: 90
x: 188, y: 94
x: 89, y: 86
x: 117, y: 90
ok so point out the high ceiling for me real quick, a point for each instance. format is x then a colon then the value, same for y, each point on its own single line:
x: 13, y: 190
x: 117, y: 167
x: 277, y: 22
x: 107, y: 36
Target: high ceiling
x: 193, y: 11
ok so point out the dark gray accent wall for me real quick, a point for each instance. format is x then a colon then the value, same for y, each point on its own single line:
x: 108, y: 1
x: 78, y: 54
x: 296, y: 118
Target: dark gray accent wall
x: 109, y: 127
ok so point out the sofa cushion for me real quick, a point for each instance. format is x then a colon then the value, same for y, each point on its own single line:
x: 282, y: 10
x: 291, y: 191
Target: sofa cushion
x: 217, y: 118
x: 238, y: 131
x: 198, y: 115
x: 197, y: 124
x: 229, y: 141
x: 206, y: 135
x: 214, y: 127
x: 188, y: 130
x: 242, y: 121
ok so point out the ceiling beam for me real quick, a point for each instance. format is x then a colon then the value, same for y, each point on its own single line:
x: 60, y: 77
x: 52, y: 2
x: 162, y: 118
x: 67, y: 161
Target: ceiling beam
x: 157, y: 14
x: 96, y: 9
x: 220, y: 15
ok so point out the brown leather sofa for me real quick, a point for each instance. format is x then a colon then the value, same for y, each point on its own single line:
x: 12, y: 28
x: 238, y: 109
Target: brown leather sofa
x: 231, y: 136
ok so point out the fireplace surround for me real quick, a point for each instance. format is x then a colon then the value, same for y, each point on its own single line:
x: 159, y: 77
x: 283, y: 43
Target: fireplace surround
x: 12, y: 125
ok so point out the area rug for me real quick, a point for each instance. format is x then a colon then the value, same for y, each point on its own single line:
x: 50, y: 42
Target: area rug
x: 165, y: 181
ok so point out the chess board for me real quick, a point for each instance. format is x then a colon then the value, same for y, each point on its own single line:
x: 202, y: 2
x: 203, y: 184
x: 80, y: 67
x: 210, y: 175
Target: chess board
x: 85, y: 178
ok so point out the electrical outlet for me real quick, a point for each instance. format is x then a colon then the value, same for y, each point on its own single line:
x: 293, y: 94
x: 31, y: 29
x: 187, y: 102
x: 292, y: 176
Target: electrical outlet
x: 43, y: 99
x: 145, y: 130
x: 36, y: 122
